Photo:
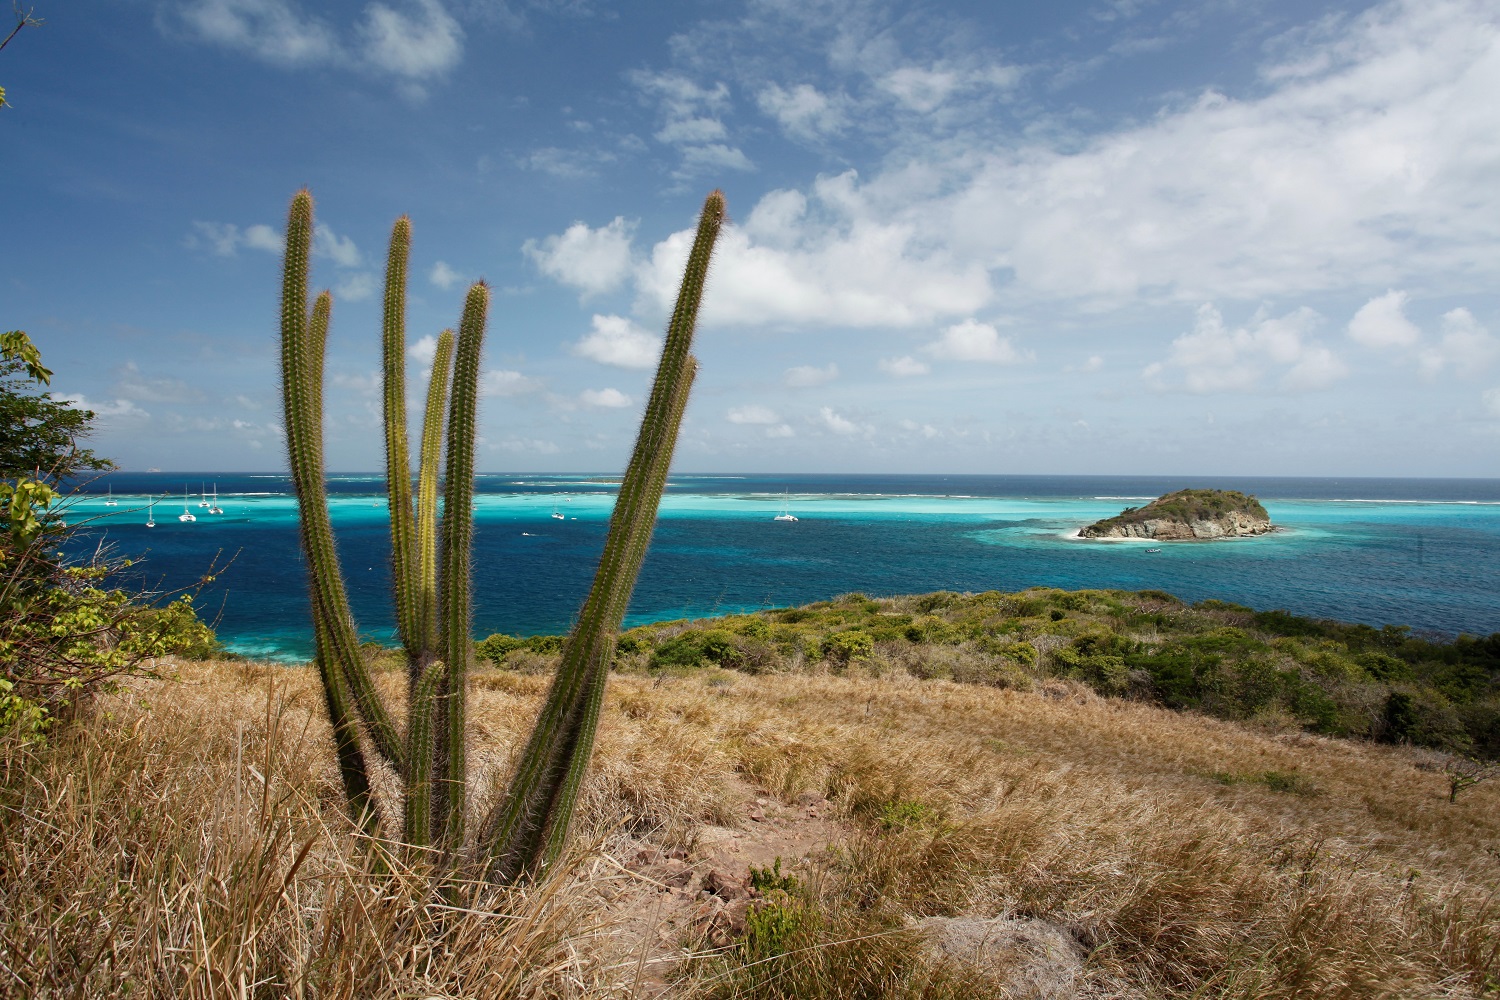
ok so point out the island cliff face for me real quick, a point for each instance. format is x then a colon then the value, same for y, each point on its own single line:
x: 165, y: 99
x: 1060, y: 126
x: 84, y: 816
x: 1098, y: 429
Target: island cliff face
x: 1187, y: 515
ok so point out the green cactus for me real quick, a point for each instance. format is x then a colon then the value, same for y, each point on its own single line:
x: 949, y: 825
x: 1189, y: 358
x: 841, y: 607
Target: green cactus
x: 432, y: 572
x: 528, y: 827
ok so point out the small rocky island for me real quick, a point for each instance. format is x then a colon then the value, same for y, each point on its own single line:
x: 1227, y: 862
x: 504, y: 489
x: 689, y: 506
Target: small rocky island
x: 1187, y: 515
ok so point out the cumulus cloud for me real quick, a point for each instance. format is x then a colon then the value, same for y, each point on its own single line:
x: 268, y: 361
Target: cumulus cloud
x: 225, y: 238
x: 1214, y: 358
x: 837, y: 424
x: 780, y: 431
x: 752, y: 414
x: 340, y: 249
x: 417, y: 41
x: 593, y: 260
x: 423, y: 350
x: 502, y: 382
x: 1465, y: 346
x: 805, y: 376
x: 803, y: 111
x: 840, y: 265
x: 610, y: 398
x: 1381, y: 323
x: 276, y: 31
x: 444, y: 276
x: 903, y: 367
x: 421, y: 44
x: 617, y: 341
x: 1355, y: 164
x: 975, y: 341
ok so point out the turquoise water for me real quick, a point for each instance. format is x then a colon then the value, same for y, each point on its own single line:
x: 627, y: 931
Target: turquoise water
x: 1424, y: 553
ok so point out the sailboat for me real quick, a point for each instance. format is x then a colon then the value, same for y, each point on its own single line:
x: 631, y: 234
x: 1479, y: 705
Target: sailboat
x: 202, y: 496
x: 110, y: 502
x: 557, y: 514
x: 151, y: 514
x: 786, y: 513
x: 216, y: 509
x: 185, y: 516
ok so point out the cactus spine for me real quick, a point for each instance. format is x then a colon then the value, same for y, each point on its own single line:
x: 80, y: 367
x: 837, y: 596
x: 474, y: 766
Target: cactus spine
x: 432, y: 571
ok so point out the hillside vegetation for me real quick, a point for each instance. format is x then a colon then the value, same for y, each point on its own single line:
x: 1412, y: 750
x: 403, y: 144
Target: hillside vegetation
x: 1221, y: 659
x: 796, y: 803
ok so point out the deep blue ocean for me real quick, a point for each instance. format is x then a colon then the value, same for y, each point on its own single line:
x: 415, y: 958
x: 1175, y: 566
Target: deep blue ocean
x: 1417, y: 552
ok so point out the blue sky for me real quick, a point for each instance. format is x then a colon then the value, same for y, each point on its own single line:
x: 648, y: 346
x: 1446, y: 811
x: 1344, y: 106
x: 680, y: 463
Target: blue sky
x: 1115, y: 236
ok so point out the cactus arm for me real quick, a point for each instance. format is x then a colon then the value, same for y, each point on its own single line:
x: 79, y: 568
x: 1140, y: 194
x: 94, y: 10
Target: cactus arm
x: 529, y: 826
x: 454, y: 596
x: 427, y: 483
x: 419, y: 738
x: 397, y: 453
x: 302, y: 345
x: 302, y: 389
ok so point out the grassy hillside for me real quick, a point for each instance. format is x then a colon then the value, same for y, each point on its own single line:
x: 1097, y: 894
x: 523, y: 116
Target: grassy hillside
x: 189, y: 841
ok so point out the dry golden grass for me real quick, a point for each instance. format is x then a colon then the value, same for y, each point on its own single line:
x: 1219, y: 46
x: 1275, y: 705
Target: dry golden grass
x: 189, y: 842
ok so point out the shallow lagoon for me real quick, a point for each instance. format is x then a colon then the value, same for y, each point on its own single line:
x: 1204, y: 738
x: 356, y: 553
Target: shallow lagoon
x: 1424, y: 553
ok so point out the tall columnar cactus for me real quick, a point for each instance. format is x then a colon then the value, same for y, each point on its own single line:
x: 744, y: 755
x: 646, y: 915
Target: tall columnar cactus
x: 432, y: 574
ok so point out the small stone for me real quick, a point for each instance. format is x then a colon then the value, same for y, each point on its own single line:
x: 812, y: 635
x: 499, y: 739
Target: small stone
x: 757, y: 814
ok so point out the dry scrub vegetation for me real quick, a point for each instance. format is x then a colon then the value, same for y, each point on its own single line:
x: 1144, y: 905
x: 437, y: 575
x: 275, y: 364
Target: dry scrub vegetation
x: 190, y: 841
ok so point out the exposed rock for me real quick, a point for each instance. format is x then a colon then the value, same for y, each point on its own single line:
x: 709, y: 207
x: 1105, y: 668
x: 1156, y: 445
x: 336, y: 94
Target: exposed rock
x: 1025, y: 957
x: 1187, y: 515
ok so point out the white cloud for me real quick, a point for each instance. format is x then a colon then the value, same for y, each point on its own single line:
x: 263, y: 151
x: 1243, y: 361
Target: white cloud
x: 356, y: 287
x: 1366, y: 166
x: 223, y: 238
x: 1491, y: 399
x: 423, y: 350
x: 752, y: 414
x: 975, y: 341
x: 263, y: 237
x: 1214, y: 358
x: 417, y: 43
x: 444, y: 276
x: 804, y: 112
x: 838, y: 266
x: 500, y: 382
x: 780, y: 431
x: 340, y: 249
x: 611, y: 398
x: 110, y: 413
x: 690, y: 122
x: 805, y: 376
x: 594, y: 260
x: 619, y: 342
x: 837, y: 424
x: 420, y: 45
x: 903, y: 367
x: 1381, y: 322
x: 1465, y: 345
x: 274, y: 30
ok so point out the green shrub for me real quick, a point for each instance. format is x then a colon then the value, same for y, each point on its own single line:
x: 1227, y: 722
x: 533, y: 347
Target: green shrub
x: 496, y: 646
x: 842, y: 647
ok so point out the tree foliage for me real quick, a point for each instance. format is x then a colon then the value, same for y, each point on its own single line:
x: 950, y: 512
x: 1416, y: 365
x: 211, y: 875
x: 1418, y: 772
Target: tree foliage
x: 65, y: 631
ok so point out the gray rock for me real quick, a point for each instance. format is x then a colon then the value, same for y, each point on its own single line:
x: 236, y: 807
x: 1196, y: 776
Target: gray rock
x: 1028, y: 959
